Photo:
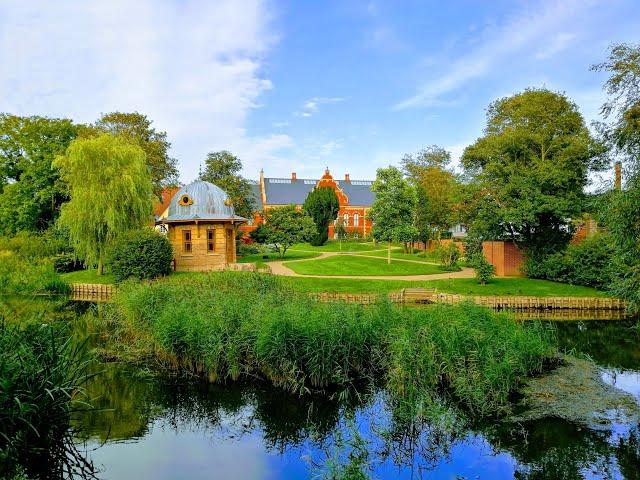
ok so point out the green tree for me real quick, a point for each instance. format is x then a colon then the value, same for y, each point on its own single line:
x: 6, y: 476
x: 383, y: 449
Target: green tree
x: 340, y: 231
x: 31, y: 191
x: 531, y: 167
x: 137, y: 128
x: 223, y: 170
x: 111, y: 193
x: 322, y: 206
x: 286, y: 226
x: 394, y: 207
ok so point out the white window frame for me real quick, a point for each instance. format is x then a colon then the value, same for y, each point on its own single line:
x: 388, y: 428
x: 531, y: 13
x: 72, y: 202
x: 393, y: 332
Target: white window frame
x: 356, y: 220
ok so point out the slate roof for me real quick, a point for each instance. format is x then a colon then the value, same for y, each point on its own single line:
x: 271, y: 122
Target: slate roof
x: 209, y: 203
x: 284, y: 191
x: 257, y: 196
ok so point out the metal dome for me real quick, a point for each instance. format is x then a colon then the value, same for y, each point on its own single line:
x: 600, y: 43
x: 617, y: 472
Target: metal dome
x: 201, y: 201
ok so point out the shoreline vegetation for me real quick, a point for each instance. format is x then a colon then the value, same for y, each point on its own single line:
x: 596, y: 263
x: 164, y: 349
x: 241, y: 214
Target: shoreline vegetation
x: 226, y: 326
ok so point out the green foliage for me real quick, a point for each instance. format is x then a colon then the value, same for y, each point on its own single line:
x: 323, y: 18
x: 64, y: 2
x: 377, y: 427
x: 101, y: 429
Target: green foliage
x: 287, y: 226
x: 42, y: 373
x: 394, y: 206
x: 37, y: 246
x: 21, y: 276
x: 142, y: 254
x: 449, y: 255
x: 484, y: 270
x: 66, y: 262
x: 589, y: 263
x: 137, y: 129
x: 223, y: 170
x: 322, y: 206
x: 259, y: 235
x: 111, y: 193
x: 31, y: 191
x: 229, y: 325
x: 531, y: 168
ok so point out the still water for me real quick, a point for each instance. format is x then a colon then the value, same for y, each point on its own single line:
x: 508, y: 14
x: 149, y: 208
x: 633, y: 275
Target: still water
x: 150, y: 427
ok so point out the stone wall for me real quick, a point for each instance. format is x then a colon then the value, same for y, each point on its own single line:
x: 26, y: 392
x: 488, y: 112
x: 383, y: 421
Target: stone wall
x: 200, y: 259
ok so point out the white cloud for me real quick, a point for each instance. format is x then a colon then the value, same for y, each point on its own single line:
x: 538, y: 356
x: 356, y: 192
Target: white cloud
x: 515, y: 36
x: 557, y: 44
x: 194, y: 67
x: 311, y: 106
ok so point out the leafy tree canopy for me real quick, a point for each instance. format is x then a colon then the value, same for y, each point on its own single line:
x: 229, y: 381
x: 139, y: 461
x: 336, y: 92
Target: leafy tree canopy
x: 137, y: 128
x: 322, y: 206
x: 223, y: 169
x: 286, y: 226
x: 31, y: 191
x: 433, y: 156
x: 531, y: 167
x: 111, y: 193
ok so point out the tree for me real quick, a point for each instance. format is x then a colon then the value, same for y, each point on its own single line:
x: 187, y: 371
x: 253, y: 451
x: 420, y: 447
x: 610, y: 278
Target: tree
x: 223, y: 170
x: 31, y: 191
x: 436, y: 187
x: 287, y: 226
x: 137, y: 128
x: 322, y: 206
x: 394, y: 207
x: 531, y: 167
x: 340, y: 231
x: 111, y: 193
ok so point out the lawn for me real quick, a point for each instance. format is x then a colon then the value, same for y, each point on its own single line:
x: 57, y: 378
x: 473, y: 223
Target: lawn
x: 399, y: 254
x: 290, y: 255
x: 87, y: 276
x: 463, y: 286
x: 357, y: 265
x: 334, y: 246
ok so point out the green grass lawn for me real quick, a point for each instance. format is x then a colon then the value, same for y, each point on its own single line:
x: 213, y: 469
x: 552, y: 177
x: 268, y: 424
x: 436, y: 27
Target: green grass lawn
x: 357, y: 265
x: 290, y: 255
x: 87, y: 276
x: 463, y: 286
x: 399, y: 254
x: 334, y: 246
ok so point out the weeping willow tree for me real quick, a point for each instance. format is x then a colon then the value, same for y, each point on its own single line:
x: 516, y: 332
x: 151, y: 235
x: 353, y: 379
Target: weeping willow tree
x: 111, y: 192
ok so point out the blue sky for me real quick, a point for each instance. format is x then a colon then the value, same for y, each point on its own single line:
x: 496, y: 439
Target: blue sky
x: 300, y: 85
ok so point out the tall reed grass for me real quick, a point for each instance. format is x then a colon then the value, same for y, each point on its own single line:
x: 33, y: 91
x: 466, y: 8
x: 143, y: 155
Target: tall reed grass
x: 233, y: 324
x: 20, y: 276
x: 41, y: 376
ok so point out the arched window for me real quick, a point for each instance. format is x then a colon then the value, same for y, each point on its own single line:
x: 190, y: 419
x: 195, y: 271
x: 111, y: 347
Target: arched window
x: 346, y: 219
x: 356, y: 220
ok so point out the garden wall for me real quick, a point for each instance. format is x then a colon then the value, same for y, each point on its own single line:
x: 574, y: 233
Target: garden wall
x: 506, y: 257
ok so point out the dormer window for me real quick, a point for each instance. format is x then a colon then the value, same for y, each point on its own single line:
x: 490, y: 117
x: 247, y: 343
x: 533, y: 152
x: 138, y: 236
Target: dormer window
x: 185, y: 200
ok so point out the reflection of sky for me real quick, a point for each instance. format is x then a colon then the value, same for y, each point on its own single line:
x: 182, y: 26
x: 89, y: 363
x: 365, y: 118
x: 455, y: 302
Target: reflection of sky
x: 625, y: 380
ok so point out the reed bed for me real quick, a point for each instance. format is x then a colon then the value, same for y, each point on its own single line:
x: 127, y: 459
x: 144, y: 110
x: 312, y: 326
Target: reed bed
x: 232, y: 324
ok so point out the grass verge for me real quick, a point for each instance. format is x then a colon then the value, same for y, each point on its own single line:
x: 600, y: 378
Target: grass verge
x: 271, y: 257
x: 358, y: 265
x: 87, y: 276
x: 334, y: 246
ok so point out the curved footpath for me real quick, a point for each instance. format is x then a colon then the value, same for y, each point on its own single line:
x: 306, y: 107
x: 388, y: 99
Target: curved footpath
x: 278, y: 268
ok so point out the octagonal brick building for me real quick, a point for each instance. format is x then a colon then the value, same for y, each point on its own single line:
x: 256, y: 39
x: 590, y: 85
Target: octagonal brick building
x: 200, y: 223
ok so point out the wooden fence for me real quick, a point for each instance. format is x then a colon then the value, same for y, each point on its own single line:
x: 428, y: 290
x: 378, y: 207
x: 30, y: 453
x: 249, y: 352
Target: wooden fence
x: 92, y: 292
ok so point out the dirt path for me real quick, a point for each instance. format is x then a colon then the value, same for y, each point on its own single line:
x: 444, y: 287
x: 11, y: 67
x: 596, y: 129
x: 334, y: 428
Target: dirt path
x: 278, y: 268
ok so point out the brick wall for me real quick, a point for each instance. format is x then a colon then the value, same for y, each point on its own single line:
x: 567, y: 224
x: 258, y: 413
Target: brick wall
x: 506, y: 257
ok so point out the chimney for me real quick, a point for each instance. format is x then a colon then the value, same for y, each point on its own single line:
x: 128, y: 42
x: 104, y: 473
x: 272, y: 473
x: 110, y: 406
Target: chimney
x: 294, y: 177
x: 618, y: 175
x: 346, y: 178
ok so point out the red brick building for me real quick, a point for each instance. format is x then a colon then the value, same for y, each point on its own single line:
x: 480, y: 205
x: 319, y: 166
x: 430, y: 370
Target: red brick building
x: 355, y: 197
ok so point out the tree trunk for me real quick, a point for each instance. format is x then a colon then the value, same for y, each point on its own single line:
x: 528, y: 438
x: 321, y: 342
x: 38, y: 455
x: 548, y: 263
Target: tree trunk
x: 100, y: 264
x: 389, y: 252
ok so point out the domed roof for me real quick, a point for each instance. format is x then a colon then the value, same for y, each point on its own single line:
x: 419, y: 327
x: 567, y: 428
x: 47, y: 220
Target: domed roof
x: 201, y: 201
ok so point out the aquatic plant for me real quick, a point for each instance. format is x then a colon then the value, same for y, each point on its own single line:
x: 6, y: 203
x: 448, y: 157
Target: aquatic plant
x: 228, y: 325
x: 41, y: 376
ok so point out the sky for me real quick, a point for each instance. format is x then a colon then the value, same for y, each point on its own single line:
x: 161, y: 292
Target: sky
x: 297, y: 86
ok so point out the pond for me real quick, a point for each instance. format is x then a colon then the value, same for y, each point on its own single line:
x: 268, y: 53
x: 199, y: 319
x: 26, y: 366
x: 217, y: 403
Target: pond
x: 169, y: 427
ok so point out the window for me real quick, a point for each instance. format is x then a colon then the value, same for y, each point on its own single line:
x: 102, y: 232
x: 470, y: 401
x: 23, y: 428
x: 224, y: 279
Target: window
x: 186, y: 241
x: 356, y: 220
x: 211, y: 233
x: 346, y: 219
x: 185, y: 200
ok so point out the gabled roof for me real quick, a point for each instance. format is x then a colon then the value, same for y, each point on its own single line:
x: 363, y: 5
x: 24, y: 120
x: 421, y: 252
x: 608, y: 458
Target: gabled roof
x: 285, y: 191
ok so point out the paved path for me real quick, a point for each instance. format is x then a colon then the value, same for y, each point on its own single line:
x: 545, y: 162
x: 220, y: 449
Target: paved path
x: 278, y: 268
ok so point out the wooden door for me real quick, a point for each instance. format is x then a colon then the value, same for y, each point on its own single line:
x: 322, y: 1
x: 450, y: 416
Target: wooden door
x: 231, y: 246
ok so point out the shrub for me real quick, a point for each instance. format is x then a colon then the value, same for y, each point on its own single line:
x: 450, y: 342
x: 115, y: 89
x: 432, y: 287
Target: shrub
x: 248, y: 249
x: 66, y: 262
x: 259, y: 235
x: 588, y: 263
x: 35, y: 246
x: 141, y: 254
x: 484, y: 270
x: 20, y: 276
x: 449, y: 255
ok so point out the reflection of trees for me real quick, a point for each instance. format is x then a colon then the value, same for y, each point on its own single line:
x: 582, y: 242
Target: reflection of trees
x: 614, y: 344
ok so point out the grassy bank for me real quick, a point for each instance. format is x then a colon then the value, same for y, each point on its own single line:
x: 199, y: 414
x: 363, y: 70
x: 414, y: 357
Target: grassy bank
x: 228, y: 325
x: 87, y: 276
x: 19, y: 276
x: 270, y: 257
x: 358, y: 265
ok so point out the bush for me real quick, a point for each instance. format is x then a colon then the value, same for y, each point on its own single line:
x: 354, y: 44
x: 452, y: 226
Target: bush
x: 259, y: 235
x: 484, y: 270
x: 66, y: 262
x: 35, y: 246
x: 141, y: 254
x: 19, y: 276
x: 449, y: 255
x: 587, y: 263
x: 248, y: 249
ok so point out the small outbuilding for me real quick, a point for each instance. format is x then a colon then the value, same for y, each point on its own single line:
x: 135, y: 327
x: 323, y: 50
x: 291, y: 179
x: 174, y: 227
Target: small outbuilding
x: 201, y: 224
